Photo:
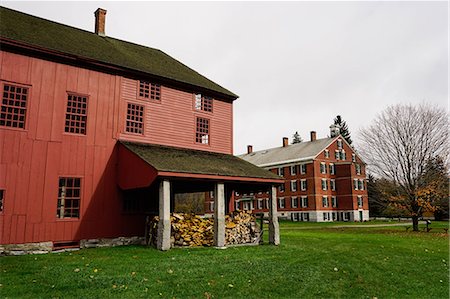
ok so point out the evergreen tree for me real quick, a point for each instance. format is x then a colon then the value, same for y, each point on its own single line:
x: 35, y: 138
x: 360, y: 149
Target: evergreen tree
x: 296, y: 138
x: 343, y: 128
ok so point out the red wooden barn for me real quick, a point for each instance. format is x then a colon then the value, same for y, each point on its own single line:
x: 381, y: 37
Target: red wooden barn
x: 97, y: 133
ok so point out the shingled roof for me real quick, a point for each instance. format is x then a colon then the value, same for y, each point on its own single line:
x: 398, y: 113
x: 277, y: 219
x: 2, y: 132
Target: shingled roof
x: 39, y: 33
x: 302, y: 151
x: 178, y: 160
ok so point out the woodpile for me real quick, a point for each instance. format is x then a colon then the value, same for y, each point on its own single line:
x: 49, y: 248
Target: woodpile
x: 193, y: 230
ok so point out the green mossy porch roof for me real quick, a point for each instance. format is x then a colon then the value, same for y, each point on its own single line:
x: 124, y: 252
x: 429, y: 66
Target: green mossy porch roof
x: 38, y: 32
x: 178, y: 160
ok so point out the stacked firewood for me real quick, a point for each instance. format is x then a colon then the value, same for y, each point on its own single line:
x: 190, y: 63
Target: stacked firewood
x: 193, y: 230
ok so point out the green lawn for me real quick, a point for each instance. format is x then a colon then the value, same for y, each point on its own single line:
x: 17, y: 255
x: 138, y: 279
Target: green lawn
x: 322, y: 262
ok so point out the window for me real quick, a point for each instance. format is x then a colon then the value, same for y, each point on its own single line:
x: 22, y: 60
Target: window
x: 337, y: 154
x: 304, y: 201
x: 302, y: 168
x: 211, y: 206
x: 332, y: 169
x: 323, y: 167
x: 237, y: 205
x: 339, y: 144
x: 305, y: 216
x: 281, y: 171
x: 76, y: 114
x: 248, y: 205
x: 260, y: 204
x: 281, y: 203
x: 294, y: 170
x: 267, y: 203
x: 149, y: 90
x: 343, y: 157
x: 327, y: 153
x: 333, y: 185
x: 294, y: 202
x: 293, y: 186
x: 334, y: 202
x: 303, y: 185
x: 360, y: 184
x: 2, y: 200
x: 326, y: 216
x: 358, y: 168
x: 202, y: 131
x: 325, y: 201
x: 360, y: 201
x: 14, y: 106
x: 324, y: 184
x: 353, y: 158
x: 355, y: 184
x: 236, y: 193
x: 135, y: 119
x: 211, y: 194
x: 281, y: 188
x: 69, y: 196
x: 203, y: 103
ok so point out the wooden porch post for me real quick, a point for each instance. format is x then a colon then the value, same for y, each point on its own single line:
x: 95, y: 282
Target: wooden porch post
x: 164, y: 216
x: 219, y: 215
x: 274, y: 228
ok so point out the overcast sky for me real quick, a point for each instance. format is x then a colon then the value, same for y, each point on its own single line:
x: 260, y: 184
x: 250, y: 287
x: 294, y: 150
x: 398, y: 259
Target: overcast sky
x: 295, y: 65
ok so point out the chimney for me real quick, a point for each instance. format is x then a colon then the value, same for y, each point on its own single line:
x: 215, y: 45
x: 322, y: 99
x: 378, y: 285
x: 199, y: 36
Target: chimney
x: 285, y: 141
x: 249, y: 149
x: 313, y: 135
x: 100, y: 17
x: 334, y: 130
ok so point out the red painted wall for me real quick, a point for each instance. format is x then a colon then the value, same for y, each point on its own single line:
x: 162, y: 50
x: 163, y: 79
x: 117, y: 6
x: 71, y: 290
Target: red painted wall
x: 32, y: 160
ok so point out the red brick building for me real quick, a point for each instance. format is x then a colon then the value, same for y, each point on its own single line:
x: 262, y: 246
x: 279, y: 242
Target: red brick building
x: 97, y: 133
x: 325, y: 180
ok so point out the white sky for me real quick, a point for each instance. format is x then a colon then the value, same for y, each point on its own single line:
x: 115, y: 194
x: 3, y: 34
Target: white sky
x: 295, y: 65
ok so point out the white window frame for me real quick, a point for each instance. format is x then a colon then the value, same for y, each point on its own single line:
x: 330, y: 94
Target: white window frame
x: 303, y: 185
x: 353, y: 158
x: 281, y: 171
x: 361, y: 184
x: 325, y: 201
x: 294, y: 202
x: 333, y: 184
x: 332, y: 168
x: 324, y: 184
x: 293, y: 170
x: 343, y: 155
x: 358, y: 168
x: 281, y: 203
x: 260, y: 204
x: 211, y: 206
x: 334, y: 202
x: 323, y: 168
x: 339, y: 143
x: 360, y: 201
x: 327, y: 153
x: 294, y: 186
x: 337, y: 155
x: 282, y: 188
x: 304, y: 200
x: 355, y: 184
x: 302, y: 168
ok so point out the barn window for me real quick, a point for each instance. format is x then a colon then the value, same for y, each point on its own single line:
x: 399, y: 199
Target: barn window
x: 14, y: 106
x: 69, y: 196
x: 2, y: 198
x: 202, y: 131
x: 203, y: 103
x: 135, y: 119
x: 149, y: 90
x: 76, y: 114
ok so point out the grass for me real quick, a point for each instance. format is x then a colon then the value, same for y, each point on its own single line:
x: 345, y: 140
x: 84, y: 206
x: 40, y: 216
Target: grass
x: 382, y: 262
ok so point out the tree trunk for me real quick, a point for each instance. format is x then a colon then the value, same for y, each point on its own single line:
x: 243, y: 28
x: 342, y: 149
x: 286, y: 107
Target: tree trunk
x: 415, y: 220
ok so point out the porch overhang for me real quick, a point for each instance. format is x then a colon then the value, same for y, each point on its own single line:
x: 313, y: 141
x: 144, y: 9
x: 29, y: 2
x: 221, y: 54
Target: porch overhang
x: 139, y: 165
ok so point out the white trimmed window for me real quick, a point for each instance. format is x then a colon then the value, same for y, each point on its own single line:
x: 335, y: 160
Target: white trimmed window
x: 293, y: 186
x: 267, y: 203
x: 337, y: 154
x: 304, y: 201
x: 260, y: 204
x: 361, y: 184
x: 327, y: 153
x: 339, y: 143
x: 325, y: 201
x: 358, y: 168
x: 236, y: 204
x: 294, y: 202
x: 333, y: 185
x: 211, y: 206
x: 355, y: 184
x: 323, y: 167
x: 334, y: 202
x: 302, y: 168
x: 324, y: 184
x: 281, y: 188
x: 293, y: 170
x: 353, y: 158
x: 281, y: 203
x: 360, y: 201
x: 332, y: 169
x: 281, y: 171
x: 303, y: 185
x: 343, y: 156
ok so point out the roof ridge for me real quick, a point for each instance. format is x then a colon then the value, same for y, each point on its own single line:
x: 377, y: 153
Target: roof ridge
x: 289, y: 145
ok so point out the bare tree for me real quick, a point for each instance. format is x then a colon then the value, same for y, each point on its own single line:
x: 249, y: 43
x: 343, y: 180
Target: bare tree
x: 398, y: 145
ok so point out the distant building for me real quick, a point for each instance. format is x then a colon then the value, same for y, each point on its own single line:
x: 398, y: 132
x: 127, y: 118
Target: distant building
x: 325, y: 180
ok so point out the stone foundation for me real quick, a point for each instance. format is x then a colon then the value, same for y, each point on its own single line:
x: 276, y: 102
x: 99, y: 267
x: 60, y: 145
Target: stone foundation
x: 46, y: 247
